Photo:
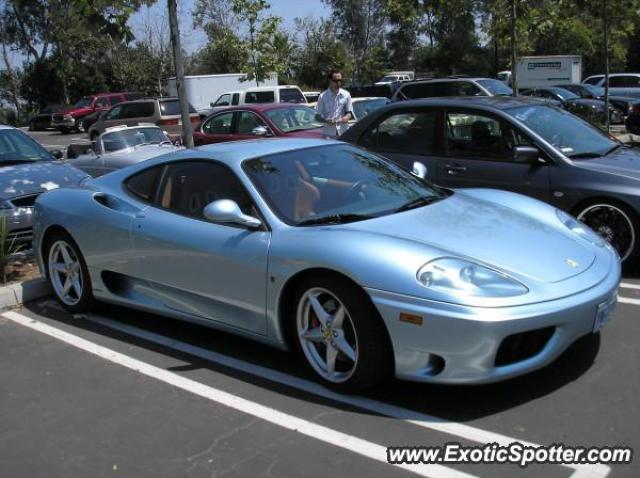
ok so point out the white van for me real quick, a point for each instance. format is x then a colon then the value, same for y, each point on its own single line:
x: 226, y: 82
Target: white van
x: 262, y: 94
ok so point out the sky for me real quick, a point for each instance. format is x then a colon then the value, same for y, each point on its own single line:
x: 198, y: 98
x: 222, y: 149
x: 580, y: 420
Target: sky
x: 194, y: 39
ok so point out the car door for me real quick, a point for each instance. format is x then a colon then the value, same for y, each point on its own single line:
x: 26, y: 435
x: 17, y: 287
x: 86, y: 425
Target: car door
x: 246, y: 122
x: 216, y: 129
x: 113, y: 117
x: 406, y: 136
x: 209, y: 270
x: 479, y: 153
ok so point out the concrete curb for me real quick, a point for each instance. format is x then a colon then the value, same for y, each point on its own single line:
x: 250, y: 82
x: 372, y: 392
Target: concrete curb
x: 14, y: 295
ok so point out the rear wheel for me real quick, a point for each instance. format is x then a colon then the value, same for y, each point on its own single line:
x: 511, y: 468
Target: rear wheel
x: 340, y: 334
x: 67, y: 272
x: 617, y: 224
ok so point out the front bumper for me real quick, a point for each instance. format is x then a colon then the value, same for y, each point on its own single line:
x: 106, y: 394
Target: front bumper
x: 19, y: 227
x: 459, y: 344
x: 59, y: 123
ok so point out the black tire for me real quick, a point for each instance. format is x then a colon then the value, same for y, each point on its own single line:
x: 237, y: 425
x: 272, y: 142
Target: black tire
x: 85, y: 300
x: 64, y: 130
x: 622, y: 231
x: 374, y: 361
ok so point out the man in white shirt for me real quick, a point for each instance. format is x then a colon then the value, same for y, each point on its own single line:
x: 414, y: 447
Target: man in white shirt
x: 334, y: 107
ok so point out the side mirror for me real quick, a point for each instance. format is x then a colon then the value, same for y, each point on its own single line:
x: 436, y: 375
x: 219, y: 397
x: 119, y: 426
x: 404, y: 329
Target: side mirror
x: 526, y: 154
x: 260, y: 131
x: 228, y: 211
x: 211, y: 104
x: 419, y: 169
x: 57, y: 153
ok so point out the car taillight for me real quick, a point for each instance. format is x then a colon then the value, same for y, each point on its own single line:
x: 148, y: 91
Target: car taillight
x: 166, y: 122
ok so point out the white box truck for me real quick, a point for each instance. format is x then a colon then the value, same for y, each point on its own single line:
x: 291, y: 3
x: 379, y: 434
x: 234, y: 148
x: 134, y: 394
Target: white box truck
x: 203, y: 89
x: 539, y: 71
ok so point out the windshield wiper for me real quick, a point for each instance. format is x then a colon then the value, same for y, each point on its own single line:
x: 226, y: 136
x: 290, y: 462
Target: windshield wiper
x: 335, y: 219
x: 419, y: 202
x: 587, y: 155
x: 615, y: 148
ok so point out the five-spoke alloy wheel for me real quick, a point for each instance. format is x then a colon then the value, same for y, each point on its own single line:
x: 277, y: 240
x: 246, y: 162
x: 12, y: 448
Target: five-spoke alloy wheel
x: 340, y: 334
x: 68, y: 274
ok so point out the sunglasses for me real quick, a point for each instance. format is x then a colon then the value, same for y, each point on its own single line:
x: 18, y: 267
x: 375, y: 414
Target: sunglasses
x: 336, y: 81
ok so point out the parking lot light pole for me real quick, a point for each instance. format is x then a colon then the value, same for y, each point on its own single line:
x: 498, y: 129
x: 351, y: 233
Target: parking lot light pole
x: 514, y: 41
x: 187, y: 130
x: 605, y: 19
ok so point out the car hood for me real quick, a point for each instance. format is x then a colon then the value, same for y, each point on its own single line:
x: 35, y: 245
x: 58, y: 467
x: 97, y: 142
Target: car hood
x: 623, y: 162
x: 74, y: 111
x: 37, y: 177
x: 309, y: 133
x: 491, y: 234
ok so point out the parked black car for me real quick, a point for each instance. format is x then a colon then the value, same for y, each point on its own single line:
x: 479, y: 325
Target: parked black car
x: 42, y: 120
x: 593, y: 110
x: 517, y: 144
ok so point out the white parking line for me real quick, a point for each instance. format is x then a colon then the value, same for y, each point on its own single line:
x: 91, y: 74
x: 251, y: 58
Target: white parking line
x: 328, y: 435
x: 419, y: 419
x: 629, y: 285
x: 626, y: 300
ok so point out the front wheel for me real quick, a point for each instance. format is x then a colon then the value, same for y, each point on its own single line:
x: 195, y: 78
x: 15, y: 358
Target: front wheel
x: 67, y: 272
x: 341, y: 335
x: 616, y: 224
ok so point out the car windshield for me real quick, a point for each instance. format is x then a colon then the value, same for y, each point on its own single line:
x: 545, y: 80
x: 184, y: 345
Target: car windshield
x: 17, y: 147
x: 564, y: 93
x: 389, y: 78
x: 496, y: 88
x: 82, y: 102
x: 296, y: 118
x: 336, y: 183
x: 571, y: 135
x: 128, y: 138
x: 364, y: 107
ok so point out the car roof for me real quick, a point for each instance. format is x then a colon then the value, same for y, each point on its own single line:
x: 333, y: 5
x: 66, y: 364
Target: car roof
x: 260, y: 107
x: 238, y: 151
x: 487, y: 102
x: 270, y: 88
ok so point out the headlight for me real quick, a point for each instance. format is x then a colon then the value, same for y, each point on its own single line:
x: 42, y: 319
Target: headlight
x: 468, y: 279
x: 579, y: 228
x: 68, y: 117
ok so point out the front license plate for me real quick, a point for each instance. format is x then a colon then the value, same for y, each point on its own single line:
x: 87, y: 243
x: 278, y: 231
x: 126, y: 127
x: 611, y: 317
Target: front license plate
x: 604, y: 313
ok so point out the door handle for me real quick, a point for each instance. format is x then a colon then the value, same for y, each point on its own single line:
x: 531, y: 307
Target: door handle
x: 454, y: 170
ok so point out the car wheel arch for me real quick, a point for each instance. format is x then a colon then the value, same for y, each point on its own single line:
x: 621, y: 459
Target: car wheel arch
x: 286, y: 304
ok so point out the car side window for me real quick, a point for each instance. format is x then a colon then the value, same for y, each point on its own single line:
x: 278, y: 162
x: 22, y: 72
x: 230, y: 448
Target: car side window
x: 102, y: 102
x: 219, y: 124
x: 114, y: 113
x: 260, y: 97
x: 632, y: 81
x: 481, y: 136
x: 247, y: 122
x: 461, y: 88
x: 188, y: 186
x: 143, y: 185
x: 410, y: 132
x: 115, y: 99
x: 419, y: 90
x: 618, y: 81
x: 223, y: 100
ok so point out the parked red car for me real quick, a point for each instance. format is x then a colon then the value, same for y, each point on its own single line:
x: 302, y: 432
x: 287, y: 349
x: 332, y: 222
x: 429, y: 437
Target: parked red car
x: 260, y: 120
x: 71, y: 118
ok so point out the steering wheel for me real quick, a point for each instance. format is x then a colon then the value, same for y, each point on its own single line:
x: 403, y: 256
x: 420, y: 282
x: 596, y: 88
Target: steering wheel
x: 356, y: 189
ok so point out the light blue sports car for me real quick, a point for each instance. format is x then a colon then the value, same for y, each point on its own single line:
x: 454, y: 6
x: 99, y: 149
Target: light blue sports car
x: 363, y: 267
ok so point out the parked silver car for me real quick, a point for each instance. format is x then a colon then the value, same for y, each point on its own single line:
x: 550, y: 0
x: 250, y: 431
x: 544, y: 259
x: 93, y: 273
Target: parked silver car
x: 364, y: 268
x: 122, y: 146
x: 26, y: 171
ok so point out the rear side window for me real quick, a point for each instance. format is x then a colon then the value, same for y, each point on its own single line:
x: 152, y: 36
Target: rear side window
x: 411, y: 132
x: 459, y: 88
x: 618, y: 81
x: 419, y: 90
x: 138, y: 110
x: 172, y: 107
x: 291, y: 95
x: 259, y: 97
x: 143, y: 185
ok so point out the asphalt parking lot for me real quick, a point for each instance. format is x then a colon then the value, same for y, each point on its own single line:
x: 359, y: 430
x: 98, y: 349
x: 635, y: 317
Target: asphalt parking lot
x: 52, y: 139
x: 123, y: 393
